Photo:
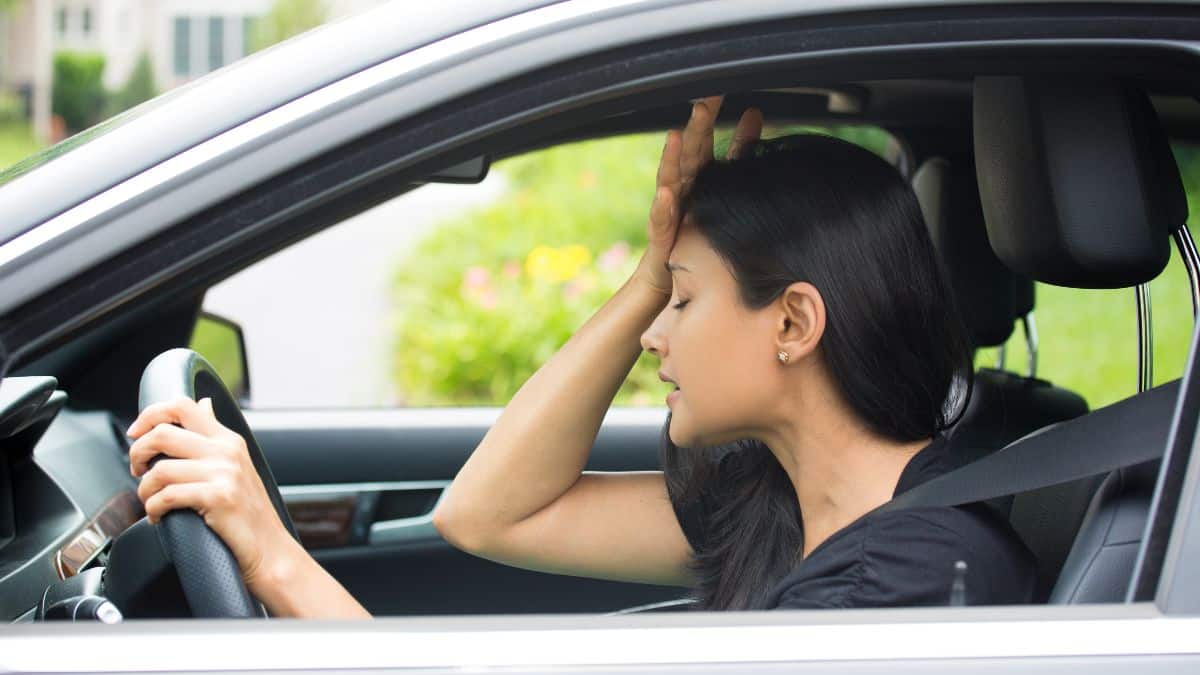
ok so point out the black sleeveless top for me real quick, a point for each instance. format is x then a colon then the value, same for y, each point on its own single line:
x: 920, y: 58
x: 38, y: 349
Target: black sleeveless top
x: 900, y: 558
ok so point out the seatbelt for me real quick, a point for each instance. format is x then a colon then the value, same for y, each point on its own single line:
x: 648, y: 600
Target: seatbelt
x: 1123, y: 434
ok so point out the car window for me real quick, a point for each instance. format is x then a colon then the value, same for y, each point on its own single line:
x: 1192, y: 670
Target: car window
x: 1087, y: 339
x: 453, y: 295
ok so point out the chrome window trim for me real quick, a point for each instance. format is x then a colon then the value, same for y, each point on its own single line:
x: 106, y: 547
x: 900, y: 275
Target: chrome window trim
x: 353, y: 488
x: 563, y: 641
x: 423, y: 418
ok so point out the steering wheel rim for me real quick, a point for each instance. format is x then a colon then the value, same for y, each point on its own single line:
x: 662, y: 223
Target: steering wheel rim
x: 208, y: 572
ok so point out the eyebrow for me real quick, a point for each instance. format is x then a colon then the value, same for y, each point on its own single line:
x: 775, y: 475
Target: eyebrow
x: 673, y: 266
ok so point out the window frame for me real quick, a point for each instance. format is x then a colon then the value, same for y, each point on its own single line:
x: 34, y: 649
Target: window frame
x: 373, y: 161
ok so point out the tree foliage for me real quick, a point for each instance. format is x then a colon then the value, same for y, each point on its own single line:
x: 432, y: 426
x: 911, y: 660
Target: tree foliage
x: 138, y: 88
x: 78, y: 92
x: 285, y: 19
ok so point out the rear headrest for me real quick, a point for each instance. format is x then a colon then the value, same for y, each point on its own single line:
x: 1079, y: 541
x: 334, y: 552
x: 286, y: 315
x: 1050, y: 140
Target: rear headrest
x: 1077, y: 181
x: 986, y: 290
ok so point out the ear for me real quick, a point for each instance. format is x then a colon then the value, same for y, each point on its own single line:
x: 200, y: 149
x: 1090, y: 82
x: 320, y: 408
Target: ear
x: 801, y: 320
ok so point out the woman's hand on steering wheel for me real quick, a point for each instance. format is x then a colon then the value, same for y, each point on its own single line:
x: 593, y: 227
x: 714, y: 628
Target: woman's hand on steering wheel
x: 206, y: 467
x: 684, y: 154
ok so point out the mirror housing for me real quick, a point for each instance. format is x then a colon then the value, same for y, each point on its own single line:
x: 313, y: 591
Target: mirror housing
x: 222, y: 343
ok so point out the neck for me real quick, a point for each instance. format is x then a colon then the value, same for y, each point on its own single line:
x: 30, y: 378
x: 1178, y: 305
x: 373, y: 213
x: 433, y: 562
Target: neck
x: 839, y: 469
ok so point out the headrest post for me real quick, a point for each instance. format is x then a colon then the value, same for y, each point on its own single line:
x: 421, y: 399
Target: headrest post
x: 1000, y: 357
x: 1191, y: 262
x: 1145, y: 339
x: 1031, y: 342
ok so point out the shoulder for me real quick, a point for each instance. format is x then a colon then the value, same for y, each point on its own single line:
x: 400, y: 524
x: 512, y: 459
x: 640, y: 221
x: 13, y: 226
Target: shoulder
x: 907, y: 558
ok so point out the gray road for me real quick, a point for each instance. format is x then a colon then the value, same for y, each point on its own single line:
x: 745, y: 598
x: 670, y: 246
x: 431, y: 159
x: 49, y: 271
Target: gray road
x: 316, y: 315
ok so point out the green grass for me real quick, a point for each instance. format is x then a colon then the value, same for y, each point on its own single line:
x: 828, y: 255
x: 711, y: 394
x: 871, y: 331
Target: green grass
x: 1088, y: 338
x: 16, y: 143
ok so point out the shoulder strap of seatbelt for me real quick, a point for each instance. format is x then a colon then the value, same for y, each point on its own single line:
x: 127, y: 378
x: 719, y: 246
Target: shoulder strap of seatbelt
x: 1125, y: 433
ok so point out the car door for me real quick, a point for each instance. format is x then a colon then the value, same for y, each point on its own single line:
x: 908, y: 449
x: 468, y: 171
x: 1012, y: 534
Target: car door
x: 360, y: 486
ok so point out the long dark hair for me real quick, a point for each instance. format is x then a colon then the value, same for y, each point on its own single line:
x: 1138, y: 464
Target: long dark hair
x: 818, y: 209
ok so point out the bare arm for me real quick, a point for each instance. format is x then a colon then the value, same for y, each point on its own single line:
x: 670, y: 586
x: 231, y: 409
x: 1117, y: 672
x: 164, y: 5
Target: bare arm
x: 522, y: 498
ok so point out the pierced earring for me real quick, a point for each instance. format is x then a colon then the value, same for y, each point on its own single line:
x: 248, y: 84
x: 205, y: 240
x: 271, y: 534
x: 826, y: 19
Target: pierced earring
x: 784, y: 357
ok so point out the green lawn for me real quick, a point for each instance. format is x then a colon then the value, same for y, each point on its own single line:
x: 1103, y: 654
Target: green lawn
x: 16, y: 143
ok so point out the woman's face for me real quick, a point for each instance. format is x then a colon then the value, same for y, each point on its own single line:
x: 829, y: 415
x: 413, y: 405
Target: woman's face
x: 721, y: 354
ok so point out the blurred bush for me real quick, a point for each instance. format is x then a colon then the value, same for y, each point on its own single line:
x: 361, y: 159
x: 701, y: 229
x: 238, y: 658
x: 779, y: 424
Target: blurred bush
x: 284, y: 19
x: 489, y: 296
x: 140, y: 87
x: 78, y: 94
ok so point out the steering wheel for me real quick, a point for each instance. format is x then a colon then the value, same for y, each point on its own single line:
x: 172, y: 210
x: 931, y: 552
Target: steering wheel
x: 208, y: 572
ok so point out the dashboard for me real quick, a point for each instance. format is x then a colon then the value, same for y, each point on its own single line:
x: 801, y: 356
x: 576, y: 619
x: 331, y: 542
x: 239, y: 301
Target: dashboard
x: 66, y: 494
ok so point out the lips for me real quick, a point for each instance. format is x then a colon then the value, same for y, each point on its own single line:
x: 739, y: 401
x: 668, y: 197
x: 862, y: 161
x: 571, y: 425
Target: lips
x: 673, y: 394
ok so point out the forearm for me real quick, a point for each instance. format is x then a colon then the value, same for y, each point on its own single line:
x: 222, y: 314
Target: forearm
x: 297, y: 586
x: 538, y: 447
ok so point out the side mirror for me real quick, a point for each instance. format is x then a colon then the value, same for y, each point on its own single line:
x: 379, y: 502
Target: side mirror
x: 221, y: 342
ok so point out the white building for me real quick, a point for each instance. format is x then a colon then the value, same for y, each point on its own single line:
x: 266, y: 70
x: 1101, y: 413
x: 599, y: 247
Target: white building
x: 185, y: 39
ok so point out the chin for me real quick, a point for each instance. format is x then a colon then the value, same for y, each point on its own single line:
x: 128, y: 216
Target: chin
x: 680, y: 434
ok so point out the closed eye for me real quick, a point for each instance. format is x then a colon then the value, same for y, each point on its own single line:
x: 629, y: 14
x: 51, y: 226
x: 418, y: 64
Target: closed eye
x: 681, y: 304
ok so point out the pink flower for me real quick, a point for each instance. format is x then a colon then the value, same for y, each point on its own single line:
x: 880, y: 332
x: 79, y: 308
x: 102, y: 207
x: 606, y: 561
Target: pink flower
x: 512, y: 269
x: 476, y: 277
x: 614, y: 257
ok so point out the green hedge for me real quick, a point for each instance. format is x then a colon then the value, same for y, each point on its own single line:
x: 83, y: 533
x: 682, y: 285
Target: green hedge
x: 78, y: 94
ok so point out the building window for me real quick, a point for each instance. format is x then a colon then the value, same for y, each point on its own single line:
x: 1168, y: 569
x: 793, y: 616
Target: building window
x: 60, y: 21
x: 248, y: 26
x: 216, y: 42
x: 183, y: 45
x: 87, y: 21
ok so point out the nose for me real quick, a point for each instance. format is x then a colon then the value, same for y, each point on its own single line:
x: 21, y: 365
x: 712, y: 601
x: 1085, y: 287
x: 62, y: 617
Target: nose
x: 654, y: 339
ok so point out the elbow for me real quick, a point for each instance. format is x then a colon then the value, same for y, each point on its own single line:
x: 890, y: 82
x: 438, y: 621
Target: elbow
x: 455, y: 528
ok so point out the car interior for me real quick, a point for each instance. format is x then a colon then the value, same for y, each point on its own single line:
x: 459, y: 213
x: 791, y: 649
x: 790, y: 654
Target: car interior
x: 1058, y: 178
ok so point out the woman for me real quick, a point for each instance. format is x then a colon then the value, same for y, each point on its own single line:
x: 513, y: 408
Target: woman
x: 793, y: 297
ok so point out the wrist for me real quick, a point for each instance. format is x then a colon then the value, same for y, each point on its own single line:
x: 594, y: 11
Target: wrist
x: 280, y: 568
x: 652, y: 276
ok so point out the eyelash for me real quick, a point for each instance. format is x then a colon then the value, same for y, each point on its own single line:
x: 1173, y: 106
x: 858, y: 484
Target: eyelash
x: 681, y: 304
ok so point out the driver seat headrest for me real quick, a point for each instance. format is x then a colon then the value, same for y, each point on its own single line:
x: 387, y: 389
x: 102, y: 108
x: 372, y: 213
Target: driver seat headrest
x: 1076, y: 179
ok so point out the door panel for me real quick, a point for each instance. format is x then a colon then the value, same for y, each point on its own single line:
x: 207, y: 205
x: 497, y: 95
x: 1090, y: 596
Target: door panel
x: 362, y: 485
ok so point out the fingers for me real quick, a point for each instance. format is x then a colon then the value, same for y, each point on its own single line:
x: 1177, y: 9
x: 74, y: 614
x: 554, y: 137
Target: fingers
x: 668, y: 165
x: 697, y: 136
x: 172, y: 471
x: 183, y: 411
x: 749, y: 129
x: 202, y: 497
x: 663, y: 218
x: 170, y: 440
